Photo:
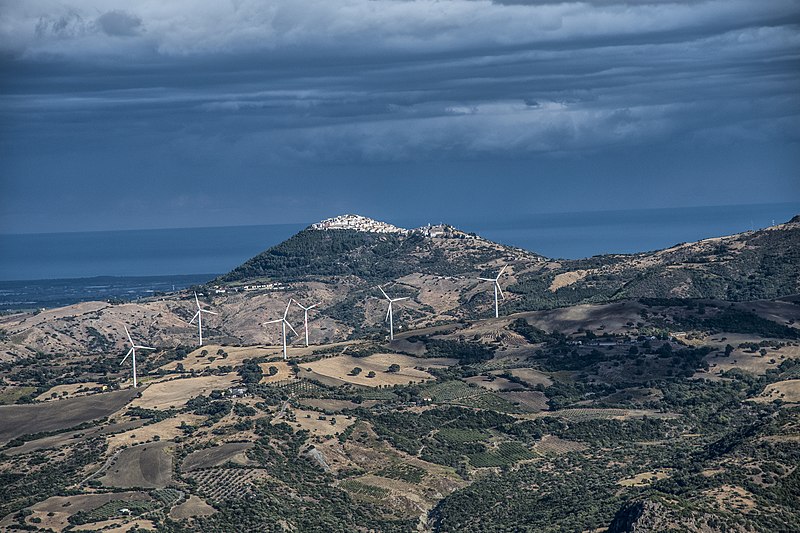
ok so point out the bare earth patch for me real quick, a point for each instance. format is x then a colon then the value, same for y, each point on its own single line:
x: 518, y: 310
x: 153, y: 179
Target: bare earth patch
x: 147, y: 465
x: 62, y: 414
x: 192, y: 507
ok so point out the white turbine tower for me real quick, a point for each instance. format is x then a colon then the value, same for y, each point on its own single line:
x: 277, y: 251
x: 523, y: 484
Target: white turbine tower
x: 497, y: 289
x: 305, y: 316
x: 284, y: 324
x: 389, y: 315
x: 199, y: 316
x: 132, y: 353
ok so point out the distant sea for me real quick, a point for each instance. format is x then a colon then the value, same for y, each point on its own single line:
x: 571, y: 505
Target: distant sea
x: 48, y: 270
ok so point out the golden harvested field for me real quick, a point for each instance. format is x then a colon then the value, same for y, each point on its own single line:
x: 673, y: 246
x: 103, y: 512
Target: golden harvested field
x: 235, y: 356
x: 341, y: 366
x: 530, y: 376
x: 69, y: 391
x: 284, y: 372
x: 755, y: 363
x: 166, y: 429
x: 310, y: 420
x: 192, y: 507
x: 176, y: 393
x: 566, y: 279
x: 643, y: 479
x: 787, y: 391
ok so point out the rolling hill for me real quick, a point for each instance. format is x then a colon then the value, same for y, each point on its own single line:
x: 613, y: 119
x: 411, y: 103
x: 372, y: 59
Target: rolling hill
x: 436, y: 267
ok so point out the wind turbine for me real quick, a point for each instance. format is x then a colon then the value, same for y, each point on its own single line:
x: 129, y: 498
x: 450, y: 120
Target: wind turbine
x: 199, y: 316
x: 389, y: 316
x: 497, y: 289
x: 284, y: 324
x: 132, y: 352
x: 305, y: 316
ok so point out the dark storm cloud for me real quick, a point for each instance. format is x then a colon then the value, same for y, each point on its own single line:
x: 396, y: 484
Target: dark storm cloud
x: 119, y: 23
x: 189, y: 91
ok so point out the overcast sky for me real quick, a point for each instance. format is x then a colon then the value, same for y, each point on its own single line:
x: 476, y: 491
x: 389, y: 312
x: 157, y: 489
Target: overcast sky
x: 143, y: 114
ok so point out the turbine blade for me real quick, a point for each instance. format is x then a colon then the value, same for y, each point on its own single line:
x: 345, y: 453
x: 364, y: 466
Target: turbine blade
x: 272, y: 321
x: 126, y: 355
x: 290, y: 327
x: 501, y: 271
x: 196, y: 300
x: 127, y: 333
x: 400, y: 299
x: 500, y: 291
x: 486, y: 279
x: 388, y: 311
x: 193, y: 318
x: 286, y: 313
x: 144, y: 347
x: 209, y: 312
x: 312, y: 306
x: 384, y: 292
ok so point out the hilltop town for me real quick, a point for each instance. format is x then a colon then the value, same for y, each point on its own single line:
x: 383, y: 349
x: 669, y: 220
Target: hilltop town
x: 357, y: 223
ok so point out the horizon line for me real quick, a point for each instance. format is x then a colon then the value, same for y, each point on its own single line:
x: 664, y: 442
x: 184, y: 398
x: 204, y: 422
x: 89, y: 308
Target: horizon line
x: 306, y: 224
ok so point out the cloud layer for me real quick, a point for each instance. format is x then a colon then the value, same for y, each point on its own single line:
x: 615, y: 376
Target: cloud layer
x: 305, y: 85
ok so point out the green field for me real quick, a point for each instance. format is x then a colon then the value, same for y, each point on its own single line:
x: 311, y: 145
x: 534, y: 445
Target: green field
x: 9, y: 395
x: 450, y: 391
x: 403, y: 472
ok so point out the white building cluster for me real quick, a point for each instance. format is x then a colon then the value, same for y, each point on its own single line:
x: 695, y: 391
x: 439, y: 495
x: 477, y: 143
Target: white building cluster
x: 358, y: 223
